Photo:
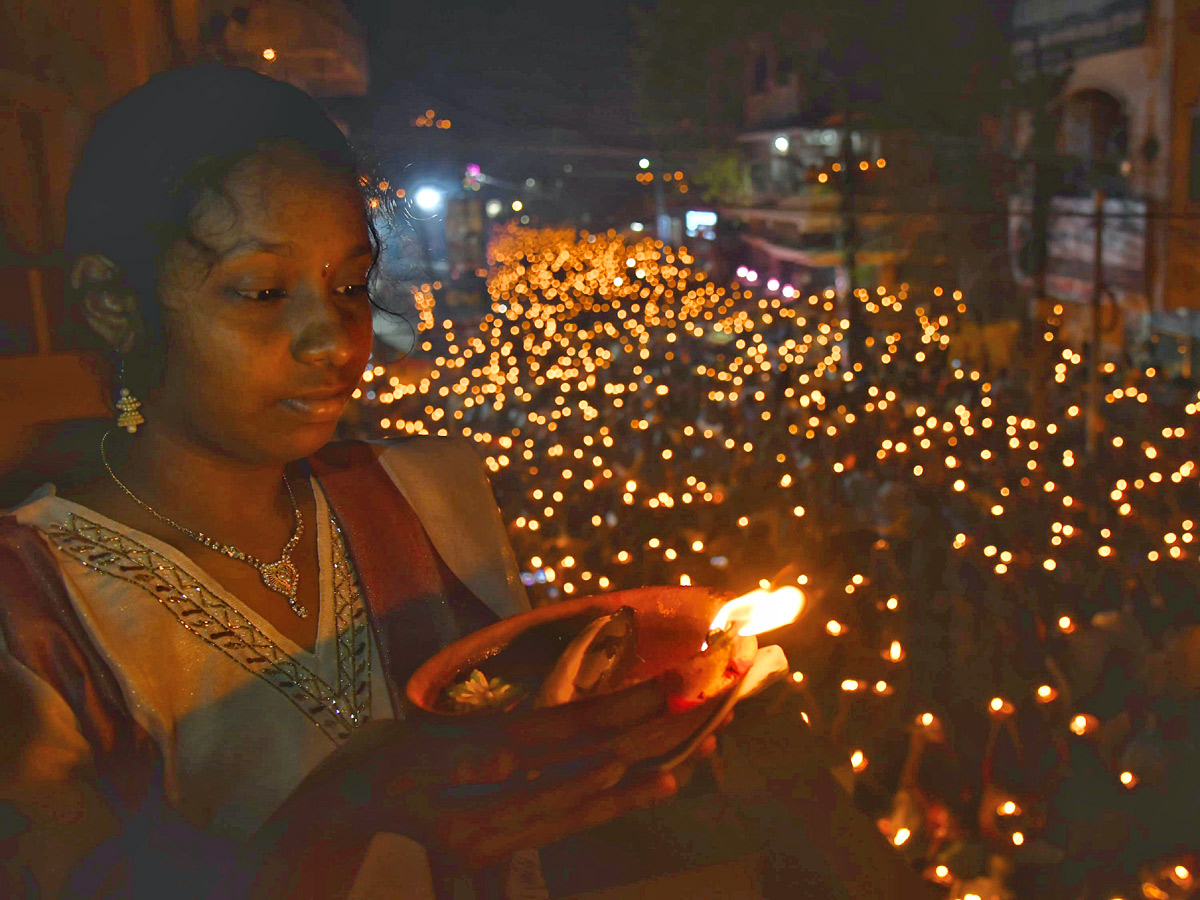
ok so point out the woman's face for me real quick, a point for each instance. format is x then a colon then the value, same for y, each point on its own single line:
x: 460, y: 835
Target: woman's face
x: 266, y: 342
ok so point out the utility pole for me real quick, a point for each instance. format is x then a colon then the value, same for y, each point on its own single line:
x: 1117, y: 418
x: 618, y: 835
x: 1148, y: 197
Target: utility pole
x: 1043, y: 87
x: 850, y: 239
x: 1038, y: 255
x: 662, y: 221
x: 1092, y: 419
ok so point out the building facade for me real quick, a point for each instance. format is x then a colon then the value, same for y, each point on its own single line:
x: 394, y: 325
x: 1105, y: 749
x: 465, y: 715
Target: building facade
x: 1122, y: 120
x: 830, y: 197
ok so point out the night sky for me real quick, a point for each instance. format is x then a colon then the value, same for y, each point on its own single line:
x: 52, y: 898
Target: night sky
x: 506, y: 69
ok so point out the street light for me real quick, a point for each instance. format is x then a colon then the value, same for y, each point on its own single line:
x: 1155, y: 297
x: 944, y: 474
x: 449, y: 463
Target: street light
x: 428, y: 198
x: 643, y: 163
x: 781, y: 143
x: 517, y: 205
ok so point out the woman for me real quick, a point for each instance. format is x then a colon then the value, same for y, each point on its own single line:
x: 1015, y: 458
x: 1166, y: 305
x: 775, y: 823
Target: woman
x: 198, y: 644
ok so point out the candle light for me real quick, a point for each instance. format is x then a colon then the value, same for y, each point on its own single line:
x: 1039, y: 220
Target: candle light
x: 759, y: 611
x: 1082, y: 723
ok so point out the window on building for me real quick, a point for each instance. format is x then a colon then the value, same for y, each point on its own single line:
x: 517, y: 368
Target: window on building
x: 1194, y: 173
x: 785, y: 66
x: 1094, y: 128
x: 760, y: 73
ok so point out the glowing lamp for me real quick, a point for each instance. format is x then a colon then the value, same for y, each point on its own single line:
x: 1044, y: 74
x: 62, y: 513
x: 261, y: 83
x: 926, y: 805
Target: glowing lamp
x: 428, y: 198
x: 1082, y: 723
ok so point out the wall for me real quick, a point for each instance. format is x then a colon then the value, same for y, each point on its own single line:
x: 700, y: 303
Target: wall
x: 1183, y: 234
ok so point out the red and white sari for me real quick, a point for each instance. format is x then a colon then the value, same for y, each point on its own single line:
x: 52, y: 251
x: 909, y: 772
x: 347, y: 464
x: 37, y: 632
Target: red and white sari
x: 130, y: 669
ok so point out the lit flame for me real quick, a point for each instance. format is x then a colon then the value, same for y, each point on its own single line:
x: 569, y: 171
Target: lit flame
x: 1082, y: 723
x: 759, y: 611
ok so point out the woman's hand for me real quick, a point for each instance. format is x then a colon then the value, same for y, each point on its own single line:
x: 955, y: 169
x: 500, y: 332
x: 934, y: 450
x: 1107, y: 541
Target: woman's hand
x: 469, y: 804
x: 473, y: 831
x: 473, y: 806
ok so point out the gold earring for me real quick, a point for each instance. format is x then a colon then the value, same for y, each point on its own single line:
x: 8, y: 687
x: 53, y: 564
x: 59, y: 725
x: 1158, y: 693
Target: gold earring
x: 130, y: 418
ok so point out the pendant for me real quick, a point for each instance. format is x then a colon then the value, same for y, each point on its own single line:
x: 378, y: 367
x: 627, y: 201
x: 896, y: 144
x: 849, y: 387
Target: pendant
x: 281, y: 577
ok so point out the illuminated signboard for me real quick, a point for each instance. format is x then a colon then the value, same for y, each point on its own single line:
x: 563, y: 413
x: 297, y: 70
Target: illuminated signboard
x: 1052, y: 34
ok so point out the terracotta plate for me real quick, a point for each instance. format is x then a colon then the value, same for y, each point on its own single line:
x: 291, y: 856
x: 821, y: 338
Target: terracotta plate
x: 631, y: 723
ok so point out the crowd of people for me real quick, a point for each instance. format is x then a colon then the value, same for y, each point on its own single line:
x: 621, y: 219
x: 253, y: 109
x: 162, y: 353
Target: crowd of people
x: 1000, y: 642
